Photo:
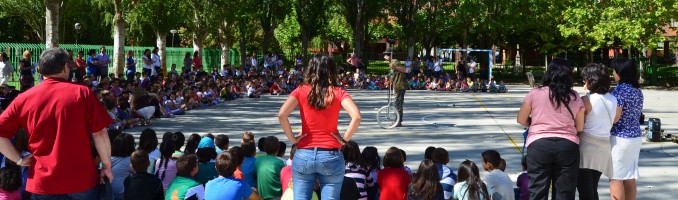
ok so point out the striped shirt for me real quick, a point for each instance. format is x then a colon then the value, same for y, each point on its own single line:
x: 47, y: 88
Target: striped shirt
x: 362, y: 177
x: 447, y: 179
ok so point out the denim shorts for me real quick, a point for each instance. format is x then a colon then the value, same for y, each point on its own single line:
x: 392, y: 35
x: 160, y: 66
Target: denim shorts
x: 310, y: 165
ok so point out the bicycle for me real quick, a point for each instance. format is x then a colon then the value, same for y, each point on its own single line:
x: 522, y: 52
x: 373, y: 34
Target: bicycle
x: 388, y: 116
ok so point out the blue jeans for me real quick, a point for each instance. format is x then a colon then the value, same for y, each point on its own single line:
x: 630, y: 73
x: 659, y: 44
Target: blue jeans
x: 310, y: 165
x: 84, y: 195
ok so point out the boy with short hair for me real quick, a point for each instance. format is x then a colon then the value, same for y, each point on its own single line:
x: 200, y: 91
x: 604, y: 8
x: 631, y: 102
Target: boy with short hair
x: 523, y: 182
x: 441, y: 157
x: 248, y: 165
x: 183, y: 187
x: 226, y: 187
x: 268, y: 169
x: 142, y: 185
x: 260, y: 146
x: 497, y: 180
x: 221, y: 141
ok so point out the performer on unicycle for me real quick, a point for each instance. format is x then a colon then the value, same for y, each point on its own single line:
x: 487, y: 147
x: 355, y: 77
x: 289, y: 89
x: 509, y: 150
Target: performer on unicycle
x: 399, y: 82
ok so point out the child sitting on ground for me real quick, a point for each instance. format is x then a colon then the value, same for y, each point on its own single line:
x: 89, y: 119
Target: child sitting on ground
x: 183, y: 187
x: 268, y: 169
x: 248, y: 166
x: 447, y: 176
x: 523, y: 183
x: 226, y: 187
x: 142, y: 185
x: 497, y: 180
x: 10, y: 182
x: 470, y: 187
x: 206, y: 154
x: 393, y: 179
x: 221, y: 142
x: 501, y: 87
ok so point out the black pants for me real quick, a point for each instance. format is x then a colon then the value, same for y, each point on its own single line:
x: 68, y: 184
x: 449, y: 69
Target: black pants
x: 399, y: 100
x: 553, y: 160
x: 587, y: 184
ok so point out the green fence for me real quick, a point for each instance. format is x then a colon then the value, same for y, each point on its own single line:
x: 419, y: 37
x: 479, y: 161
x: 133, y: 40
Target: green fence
x: 210, y: 57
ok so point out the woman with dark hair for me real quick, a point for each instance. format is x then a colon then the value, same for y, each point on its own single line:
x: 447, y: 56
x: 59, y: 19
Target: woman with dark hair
x: 469, y: 186
x: 92, y: 64
x: 187, y: 63
x: 197, y: 61
x: 319, y: 99
x: 148, y: 63
x: 148, y: 142
x: 594, y: 144
x: 426, y: 183
x: 166, y: 166
x: 393, y: 179
x: 554, y: 114
x: 6, y: 69
x: 626, y: 133
x: 356, y: 168
x: 122, y: 148
x: 371, y: 156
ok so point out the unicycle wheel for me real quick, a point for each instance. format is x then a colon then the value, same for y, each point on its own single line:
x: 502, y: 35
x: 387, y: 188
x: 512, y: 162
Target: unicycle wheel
x: 388, y: 117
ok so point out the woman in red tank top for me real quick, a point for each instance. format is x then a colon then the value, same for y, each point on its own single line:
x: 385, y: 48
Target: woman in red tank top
x: 318, y: 155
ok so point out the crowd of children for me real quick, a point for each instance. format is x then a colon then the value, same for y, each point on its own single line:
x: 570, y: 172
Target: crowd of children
x: 421, y: 82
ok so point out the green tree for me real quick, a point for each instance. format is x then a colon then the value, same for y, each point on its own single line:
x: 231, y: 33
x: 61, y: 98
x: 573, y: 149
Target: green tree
x: 406, y: 11
x: 289, y: 34
x: 31, y: 11
x: 163, y: 19
x: 357, y: 14
x: 271, y: 13
x: 311, y: 18
x: 118, y: 11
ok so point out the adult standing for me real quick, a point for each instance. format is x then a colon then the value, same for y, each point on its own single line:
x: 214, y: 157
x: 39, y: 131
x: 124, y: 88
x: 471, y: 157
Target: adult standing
x: 460, y: 69
x: 187, y: 63
x: 355, y: 63
x: 429, y: 66
x: 438, y: 67
x: 594, y: 144
x: 104, y: 60
x: 92, y: 64
x: 318, y: 155
x: 26, y: 68
x: 197, y: 61
x: 148, y: 63
x: 54, y: 139
x: 557, y: 115
x: 6, y: 69
x: 156, y: 62
x: 131, y: 68
x: 472, y: 68
x: 253, y: 60
x: 81, y: 66
x: 626, y: 134
x: 399, y: 83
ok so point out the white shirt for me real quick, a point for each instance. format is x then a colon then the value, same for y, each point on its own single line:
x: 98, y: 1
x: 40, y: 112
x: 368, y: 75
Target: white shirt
x: 254, y: 62
x: 472, y: 66
x: 146, y: 66
x: 438, y: 65
x: 156, y: 60
x: 6, y: 69
x: 500, y: 184
x: 603, y: 110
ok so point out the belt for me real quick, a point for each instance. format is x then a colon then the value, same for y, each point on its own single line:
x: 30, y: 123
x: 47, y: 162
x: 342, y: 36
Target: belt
x: 321, y: 149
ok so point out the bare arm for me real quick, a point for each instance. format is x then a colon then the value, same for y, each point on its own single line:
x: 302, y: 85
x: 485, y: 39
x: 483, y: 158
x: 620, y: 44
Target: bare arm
x: 103, y: 146
x: 524, y: 114
x: 587, y: 104
x: 579, y: 121
x: 7, y: 149
x: 283, y: 117
x: 356, y: 117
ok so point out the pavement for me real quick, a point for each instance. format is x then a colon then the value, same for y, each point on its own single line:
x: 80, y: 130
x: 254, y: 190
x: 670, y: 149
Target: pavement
x: 465, y: 124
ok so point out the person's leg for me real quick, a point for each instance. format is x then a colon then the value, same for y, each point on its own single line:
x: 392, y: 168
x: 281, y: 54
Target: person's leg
x: 399, y: 101
x: 304, y: 174
x: 596, y: 178
x: 630, y: 189
x: 567, y: 160
x: 585, y: 184
x: 617, y: 190
x: 539, y: 168
x: 330, y: 166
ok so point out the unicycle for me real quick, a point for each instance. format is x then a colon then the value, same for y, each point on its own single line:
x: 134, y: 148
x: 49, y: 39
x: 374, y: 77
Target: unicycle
x: 388, y: 116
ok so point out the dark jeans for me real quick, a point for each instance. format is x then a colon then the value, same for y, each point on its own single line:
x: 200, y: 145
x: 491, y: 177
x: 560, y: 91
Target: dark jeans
x: 587, y: 185
x: 85, y: 195
x: 553, y: 160
x: 399, y: 101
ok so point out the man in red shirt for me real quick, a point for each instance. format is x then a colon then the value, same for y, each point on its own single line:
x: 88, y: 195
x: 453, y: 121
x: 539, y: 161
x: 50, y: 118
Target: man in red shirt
x: 61, y: 165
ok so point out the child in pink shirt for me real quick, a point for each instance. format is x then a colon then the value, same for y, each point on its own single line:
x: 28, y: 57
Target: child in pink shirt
x: 10, y: 182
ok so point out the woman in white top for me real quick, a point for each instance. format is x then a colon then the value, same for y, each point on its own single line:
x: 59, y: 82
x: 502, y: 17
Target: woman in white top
x: 6, y: 69
x: 594, y: 143
x: 438, y: 67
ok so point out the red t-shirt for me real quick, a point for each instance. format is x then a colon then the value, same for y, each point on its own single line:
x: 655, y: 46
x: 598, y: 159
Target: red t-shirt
x: 237, y: 174
x: 318, y: 124
x: 197, y: 62
x: 59, y: 118
x: 82, y: 64
x: 393, y: 183
x: 285, y: 177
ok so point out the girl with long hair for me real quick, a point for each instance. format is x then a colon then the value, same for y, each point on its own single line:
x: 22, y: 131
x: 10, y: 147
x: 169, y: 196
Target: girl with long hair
x: 554, y: 114
x: 469, y: 186
x: 426, y: 183
x: 166, y: 166
x: 319, y: 99
x: 371, y: 156
x: 356, y: 168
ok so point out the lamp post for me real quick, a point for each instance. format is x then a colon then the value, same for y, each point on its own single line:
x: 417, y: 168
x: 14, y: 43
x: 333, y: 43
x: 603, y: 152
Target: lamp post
x: 77, y: 32
x: 173, y: 32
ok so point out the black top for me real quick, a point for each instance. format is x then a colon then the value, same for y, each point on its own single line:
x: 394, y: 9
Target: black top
x: 25, y: 63
x: 143, y: 186
x: 349, y: 190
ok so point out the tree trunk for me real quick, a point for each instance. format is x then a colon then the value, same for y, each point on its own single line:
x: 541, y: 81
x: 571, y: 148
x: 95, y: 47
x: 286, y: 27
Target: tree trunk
x: 52, y: 23
x: 119, y: 45
x: 162, y: 52
x: 224, y: 53
x: 268, y: 35
x: 358, y: 40
x: 410, y: 46
x: 243, y: 48
x: 304, y: 43
x: 198, y: 40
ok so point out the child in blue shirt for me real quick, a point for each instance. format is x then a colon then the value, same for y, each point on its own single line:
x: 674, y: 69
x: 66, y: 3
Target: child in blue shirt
x: 226, y: 187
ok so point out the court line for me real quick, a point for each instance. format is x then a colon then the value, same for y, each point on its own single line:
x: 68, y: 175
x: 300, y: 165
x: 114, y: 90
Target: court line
x: 497, y: 122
